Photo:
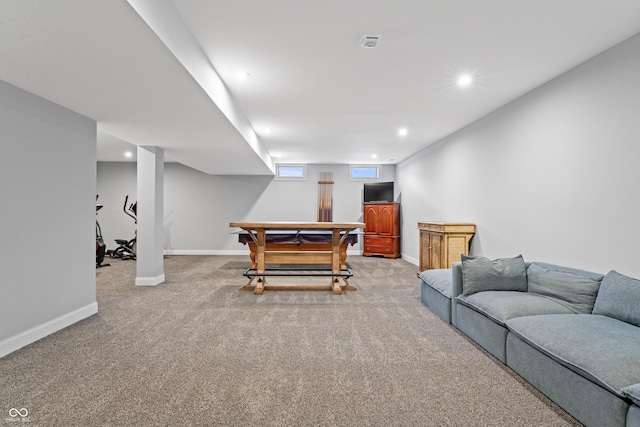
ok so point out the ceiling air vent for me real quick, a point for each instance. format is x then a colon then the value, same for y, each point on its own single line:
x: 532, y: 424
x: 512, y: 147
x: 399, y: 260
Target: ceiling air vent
x: 369, y: 42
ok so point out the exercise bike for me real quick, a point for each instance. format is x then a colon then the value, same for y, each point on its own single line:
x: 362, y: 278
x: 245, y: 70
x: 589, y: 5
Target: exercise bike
x: 127, y: 248
x: 101, y: 248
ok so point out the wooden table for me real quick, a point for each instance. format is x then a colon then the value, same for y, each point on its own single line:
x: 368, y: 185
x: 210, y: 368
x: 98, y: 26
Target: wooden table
x: 331, y: 256
x: 298, y: 240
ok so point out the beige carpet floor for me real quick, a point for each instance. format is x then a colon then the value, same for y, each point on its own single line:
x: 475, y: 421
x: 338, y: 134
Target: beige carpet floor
x: 196, y: 351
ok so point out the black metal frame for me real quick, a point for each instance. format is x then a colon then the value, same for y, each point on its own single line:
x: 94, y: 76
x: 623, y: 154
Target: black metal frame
x: 253, y: 272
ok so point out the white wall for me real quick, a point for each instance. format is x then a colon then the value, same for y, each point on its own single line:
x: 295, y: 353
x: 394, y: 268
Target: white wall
x: 47, y: 181
x: 199, y: 207
x: 553, y: 175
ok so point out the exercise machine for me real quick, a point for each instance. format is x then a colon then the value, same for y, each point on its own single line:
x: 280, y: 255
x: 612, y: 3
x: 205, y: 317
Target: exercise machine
x: 127, y: 248
x: 101, y: 248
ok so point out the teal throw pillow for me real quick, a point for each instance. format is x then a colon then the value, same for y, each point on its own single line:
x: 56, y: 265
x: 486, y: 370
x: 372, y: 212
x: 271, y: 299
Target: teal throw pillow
x: 502, y: 274
x: 619, y: 297
x: 574, y: 291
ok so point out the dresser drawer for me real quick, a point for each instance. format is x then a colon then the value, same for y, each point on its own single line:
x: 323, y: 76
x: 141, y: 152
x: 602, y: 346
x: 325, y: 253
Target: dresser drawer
x: 376, y: 249
x: 378, y: 241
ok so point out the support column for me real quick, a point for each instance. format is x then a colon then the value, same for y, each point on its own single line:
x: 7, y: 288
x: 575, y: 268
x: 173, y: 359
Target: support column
x: 150, y: 251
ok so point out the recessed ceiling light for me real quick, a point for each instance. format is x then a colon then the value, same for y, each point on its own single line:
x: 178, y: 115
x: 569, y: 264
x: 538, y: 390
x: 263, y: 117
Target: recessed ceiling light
x: 403, y: 131
x: 128, y: 154
x: 374, y: 156
x: 465, y: 80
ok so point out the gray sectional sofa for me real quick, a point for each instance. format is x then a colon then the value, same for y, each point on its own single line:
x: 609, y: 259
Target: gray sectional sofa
x: 571, y: 333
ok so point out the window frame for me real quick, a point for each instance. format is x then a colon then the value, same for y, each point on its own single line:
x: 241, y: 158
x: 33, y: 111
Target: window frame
x: 378, y: 175
x: 291, y: 165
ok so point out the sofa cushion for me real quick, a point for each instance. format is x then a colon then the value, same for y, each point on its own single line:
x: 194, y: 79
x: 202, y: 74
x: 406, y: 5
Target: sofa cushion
x: 502, y: 274
x: 602, y: 349
x: 579, y: 272
x: 633, y: 393
x: 619, y: 297
x: 633, y: 416
x: 439, y: 279
x: 501, y: 306
x: 573, y: 290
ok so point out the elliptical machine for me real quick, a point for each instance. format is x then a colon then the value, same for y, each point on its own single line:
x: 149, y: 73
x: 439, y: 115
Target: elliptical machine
x: 127, y: 248
x: 100, y: 245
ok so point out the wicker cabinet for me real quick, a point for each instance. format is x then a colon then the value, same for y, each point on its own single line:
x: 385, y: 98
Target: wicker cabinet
x: 382, y: 229
x: 442, y: 243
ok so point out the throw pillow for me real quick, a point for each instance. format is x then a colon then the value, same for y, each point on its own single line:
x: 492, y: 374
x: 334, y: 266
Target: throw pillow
x: 502, y: 274
x: 619, y: 297
x: 633, y: 393
x: 576, y: 292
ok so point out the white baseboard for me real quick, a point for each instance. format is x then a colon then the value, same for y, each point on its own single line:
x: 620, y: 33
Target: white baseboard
x: 410, y: 259
x: 205, y: 252
x: 36, y: 333
x: 353, y: 252
x: 350, y: 252
x: 149, y: 281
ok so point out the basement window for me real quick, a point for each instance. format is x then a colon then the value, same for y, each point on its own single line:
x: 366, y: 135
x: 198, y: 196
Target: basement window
x: 288, y: 171
x: 364, y: 172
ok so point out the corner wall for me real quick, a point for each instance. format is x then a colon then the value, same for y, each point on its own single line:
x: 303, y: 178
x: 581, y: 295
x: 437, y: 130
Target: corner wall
x: 553, y: 175
x: 48, y: 180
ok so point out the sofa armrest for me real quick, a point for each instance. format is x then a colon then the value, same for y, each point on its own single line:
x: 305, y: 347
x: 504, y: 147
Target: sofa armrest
x: 456, y: 271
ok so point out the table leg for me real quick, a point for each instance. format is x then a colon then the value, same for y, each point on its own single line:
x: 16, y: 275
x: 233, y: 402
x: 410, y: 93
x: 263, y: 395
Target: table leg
x: 335, y: 263
x: 249, y: 286
x: 260, y: 264
x: 347, y: 285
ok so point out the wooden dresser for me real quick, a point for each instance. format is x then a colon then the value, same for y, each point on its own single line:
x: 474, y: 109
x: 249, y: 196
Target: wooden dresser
x: 382, y: 229
x: 442, y: 243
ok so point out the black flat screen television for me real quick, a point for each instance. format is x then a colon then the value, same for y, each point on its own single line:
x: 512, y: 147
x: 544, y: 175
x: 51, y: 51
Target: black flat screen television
x: 378, y: 192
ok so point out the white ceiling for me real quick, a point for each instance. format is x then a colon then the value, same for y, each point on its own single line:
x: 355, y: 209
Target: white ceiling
x: 145, y: 70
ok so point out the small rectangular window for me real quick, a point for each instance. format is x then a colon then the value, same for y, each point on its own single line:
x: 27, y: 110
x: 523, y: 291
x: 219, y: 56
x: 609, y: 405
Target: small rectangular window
x: 284, y: 171
x: 364, y: 172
